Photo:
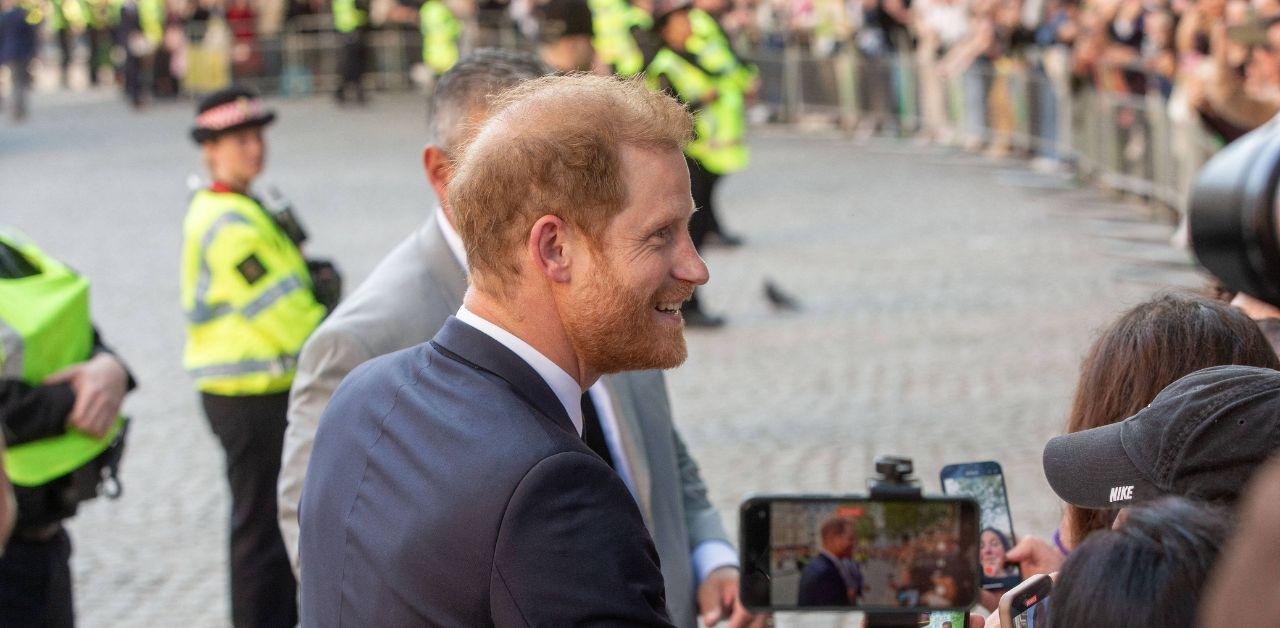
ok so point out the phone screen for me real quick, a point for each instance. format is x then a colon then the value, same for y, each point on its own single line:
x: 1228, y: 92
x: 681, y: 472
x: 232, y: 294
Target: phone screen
x: 1033, y: 616
x: 984, y: 482
x: 844, y: 553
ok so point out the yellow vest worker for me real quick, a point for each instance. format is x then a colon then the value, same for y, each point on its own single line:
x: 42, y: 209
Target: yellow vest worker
x: 612, y: 22
x: 717, y: 147
x: 60, y: 397
x: 248, y: 300
x: 440, y: 32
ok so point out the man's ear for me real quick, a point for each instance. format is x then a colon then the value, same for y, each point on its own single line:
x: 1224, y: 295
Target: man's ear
x: 439, y: 169
x: 550, y: 248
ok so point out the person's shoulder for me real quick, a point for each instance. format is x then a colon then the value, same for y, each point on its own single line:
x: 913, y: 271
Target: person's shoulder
x: 395, y: 307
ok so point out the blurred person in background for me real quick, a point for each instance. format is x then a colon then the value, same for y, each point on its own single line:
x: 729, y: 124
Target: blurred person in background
x: 564, y: 35
x: 250, y: 303
x: 351, y: 20
x: 616, y: 25
x: 100, y: 21
x: 1147, y: 571
x: 61, y: 390
x: 1148, y: 348
x: 716, y: 99
x: 19, y: 42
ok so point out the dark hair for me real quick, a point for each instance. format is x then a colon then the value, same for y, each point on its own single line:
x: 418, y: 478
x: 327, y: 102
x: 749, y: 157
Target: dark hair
x: 1149, y: 347
x: 1004, y: 540
x: 470, y: 85
x: 1147, y: 573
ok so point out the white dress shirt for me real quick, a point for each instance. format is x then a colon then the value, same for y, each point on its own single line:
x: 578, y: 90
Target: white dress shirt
x: 708, y: 555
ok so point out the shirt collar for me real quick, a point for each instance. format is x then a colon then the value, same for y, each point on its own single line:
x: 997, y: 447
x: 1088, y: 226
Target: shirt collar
x: 451, y: 237
x: 562, y: 383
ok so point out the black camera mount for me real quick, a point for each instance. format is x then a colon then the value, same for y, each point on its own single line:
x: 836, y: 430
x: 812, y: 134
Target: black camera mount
x: 893, y: 481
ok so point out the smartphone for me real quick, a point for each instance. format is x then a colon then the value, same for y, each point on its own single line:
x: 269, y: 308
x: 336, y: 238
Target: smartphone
x: 1025, y: 605
x: 984, y: 482
x: 825, y: 552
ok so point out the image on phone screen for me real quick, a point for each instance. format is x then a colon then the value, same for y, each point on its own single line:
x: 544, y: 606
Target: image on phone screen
x: 860, y: 553
x: 984, y: 482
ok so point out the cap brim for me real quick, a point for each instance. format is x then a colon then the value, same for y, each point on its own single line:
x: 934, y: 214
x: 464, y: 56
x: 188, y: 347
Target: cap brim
x: 1091, y: 469
x: 203, y: 135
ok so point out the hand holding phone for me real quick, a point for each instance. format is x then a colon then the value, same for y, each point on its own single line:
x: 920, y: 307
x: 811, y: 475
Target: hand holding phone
x: 984, y: 482
x: 1022, y: 605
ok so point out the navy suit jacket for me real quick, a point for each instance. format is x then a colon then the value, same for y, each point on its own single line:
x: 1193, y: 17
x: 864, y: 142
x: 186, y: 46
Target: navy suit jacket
x: 822, y: 585
x: 455, y: 491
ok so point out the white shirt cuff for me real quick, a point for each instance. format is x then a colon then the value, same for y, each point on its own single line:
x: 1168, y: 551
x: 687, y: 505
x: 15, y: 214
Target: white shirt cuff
x: 709, y: 556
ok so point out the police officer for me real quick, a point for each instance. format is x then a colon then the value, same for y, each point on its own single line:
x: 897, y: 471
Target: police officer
x: 441, y: 30
x: 60, y: 396
x: 717, y: 148
x: 615, y: 24
x: 351, y: 20
x: 249, y: 302
x: 736, y: 78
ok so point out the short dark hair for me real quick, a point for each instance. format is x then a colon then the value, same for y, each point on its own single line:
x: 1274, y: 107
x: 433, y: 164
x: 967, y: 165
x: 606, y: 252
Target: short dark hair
x: 469, y: 86
x: 1147, y: 573
x: 1004, y: 540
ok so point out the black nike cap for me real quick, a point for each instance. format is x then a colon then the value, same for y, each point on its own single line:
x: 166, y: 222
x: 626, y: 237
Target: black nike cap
x: 1202, y: 437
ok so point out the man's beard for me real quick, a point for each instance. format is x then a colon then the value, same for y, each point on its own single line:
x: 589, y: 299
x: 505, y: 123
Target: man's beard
x: 614, y: 329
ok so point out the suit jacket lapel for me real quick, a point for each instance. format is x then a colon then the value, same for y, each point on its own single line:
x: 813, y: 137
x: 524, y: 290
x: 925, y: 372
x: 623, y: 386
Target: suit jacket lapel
x: 440, y: 263
x: 631, y: 437
x: 472, y: 347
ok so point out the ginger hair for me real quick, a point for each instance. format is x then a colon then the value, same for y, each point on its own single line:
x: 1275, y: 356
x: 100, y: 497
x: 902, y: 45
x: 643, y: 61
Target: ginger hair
x: 553, y: 147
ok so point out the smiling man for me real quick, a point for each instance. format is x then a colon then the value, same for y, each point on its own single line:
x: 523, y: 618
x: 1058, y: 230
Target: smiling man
x: 457, y: 489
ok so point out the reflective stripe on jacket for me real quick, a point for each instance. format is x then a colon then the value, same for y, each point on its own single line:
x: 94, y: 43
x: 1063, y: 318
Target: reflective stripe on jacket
x: 247, y: 296
x: 718, y: 116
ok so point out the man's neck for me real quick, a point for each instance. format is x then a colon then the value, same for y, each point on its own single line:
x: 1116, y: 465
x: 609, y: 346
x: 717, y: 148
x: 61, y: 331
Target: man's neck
x: 538, y: 325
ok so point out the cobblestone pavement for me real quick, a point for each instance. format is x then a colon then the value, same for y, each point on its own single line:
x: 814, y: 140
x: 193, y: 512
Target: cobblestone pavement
x: 947, y: 301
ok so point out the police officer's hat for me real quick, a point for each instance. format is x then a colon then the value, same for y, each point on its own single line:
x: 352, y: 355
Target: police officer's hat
x: 664, y: 9
x: 229, y: 109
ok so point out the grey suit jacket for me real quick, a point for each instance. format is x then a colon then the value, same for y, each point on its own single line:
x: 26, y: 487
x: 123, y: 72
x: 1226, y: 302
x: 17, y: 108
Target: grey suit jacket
x: 404, y: 302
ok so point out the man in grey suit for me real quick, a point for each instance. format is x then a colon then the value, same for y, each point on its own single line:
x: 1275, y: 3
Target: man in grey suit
x: 414, y: 290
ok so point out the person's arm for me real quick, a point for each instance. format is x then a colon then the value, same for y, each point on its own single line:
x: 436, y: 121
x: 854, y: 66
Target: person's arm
x: 278, y: 300
x: 30, y: 413
x: 327, y: 358
x: 1225, y: 89
x: 572, y: 549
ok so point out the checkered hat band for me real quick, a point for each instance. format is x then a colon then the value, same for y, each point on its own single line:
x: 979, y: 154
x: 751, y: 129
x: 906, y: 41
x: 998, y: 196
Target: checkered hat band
x: 230, y: 114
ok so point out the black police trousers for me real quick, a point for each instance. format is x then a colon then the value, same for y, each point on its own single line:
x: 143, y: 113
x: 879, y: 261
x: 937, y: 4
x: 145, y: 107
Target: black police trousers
x: 702, y: 183
x: 251, y: 430
x: 35, y: 582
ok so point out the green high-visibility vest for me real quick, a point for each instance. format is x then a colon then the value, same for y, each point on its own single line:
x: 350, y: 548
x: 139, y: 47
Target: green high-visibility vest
x: 151, y: 13
x: 247, y: 295
x: 709, y: 44
x: 612, y: 21
x: 347, y: 17
x: 718, y: 125
x: 440, y: 32
x: 44, y: 328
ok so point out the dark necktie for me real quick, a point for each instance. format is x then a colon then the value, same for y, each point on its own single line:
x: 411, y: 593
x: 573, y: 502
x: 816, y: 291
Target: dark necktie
x: 592, y: 432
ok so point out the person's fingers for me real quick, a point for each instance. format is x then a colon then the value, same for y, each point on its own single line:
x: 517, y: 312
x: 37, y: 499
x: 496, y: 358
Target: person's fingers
x: 709, y: 603
x: 993, y: 621
x: 977, y: 621
x: 63, y: 376
x: 79, y: 416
